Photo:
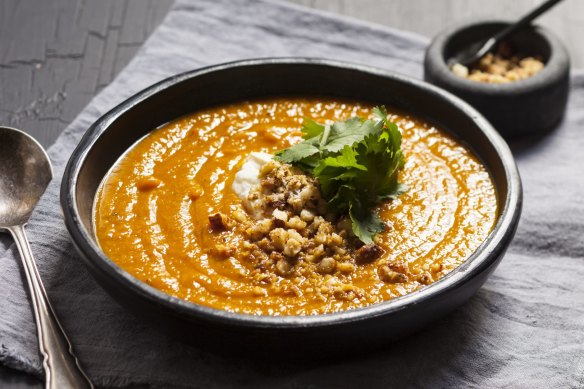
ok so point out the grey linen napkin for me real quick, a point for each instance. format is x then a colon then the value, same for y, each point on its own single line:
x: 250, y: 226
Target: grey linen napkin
x: 523, y: 329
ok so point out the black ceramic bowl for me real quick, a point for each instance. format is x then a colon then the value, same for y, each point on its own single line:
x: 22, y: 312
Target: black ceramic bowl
x: 529, y: 106
x: 115, y: 132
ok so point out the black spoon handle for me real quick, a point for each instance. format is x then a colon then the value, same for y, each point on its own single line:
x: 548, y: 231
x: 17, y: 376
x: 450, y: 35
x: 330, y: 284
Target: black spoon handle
x: 525, y: 20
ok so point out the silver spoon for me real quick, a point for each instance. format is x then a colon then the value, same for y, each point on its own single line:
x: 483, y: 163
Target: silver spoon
x: 475, y: 52
x: 25, y: 173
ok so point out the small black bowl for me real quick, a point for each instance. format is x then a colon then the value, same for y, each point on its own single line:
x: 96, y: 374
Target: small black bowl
x: 529, y: 106
x: 109, y: 137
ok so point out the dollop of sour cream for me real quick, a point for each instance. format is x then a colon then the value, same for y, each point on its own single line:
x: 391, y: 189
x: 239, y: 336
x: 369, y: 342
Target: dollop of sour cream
x: 248, y: 176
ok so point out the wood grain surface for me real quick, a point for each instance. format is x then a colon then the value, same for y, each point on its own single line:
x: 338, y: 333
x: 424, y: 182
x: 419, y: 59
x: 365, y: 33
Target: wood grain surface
x: 56, y: 55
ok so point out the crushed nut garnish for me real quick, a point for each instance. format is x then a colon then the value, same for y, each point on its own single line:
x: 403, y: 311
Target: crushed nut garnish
x: 290, y: 235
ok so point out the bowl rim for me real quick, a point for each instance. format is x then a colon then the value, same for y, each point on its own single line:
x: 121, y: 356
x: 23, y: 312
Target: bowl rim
x: 551, y: 72
x: 480, y: 260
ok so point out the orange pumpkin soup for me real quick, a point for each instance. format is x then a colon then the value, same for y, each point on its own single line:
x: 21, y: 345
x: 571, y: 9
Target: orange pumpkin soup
x: 168, y: 214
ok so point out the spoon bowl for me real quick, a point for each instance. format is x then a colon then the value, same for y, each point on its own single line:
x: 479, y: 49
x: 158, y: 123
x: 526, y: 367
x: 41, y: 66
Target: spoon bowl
x: 26, y: 172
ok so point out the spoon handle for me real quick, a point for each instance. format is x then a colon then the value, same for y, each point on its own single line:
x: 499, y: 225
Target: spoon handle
x: 525, y: 20
x: 62, y: 370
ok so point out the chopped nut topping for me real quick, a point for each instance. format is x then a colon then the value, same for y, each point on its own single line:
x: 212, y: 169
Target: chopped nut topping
x: 223, y: 251
x: 390, y: 276
x: 425, y: 278
x: 345, y: 267
x: 327, y: 265
x: 368, y: 253
x: 219, y: 222
x: 280, y: 215
x: 436, y: 267
x: 306, y: 215
x: 283, y: 267
x: 290, y: 235
x: 500, y: 67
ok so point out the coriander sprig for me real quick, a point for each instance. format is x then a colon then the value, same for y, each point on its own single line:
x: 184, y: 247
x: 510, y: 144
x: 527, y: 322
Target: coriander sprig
x: 357, y: 162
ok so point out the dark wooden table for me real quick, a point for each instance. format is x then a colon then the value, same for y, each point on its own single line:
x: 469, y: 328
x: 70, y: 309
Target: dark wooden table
x: 55, y: 56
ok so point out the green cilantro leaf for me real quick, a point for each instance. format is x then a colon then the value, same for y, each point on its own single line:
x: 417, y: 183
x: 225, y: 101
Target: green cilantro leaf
x: 357, y: 164
x: 365, y: 225
x: 311, y: 129
x: 299, y: 151
x: 380, y: 113
x: 347, y: 133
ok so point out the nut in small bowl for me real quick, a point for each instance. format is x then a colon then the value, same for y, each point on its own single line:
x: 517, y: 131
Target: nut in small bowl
x: 522, y: 88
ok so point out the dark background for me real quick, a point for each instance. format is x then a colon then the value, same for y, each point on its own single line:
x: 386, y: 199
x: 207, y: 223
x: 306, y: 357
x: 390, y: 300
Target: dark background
x: 56, y: 55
